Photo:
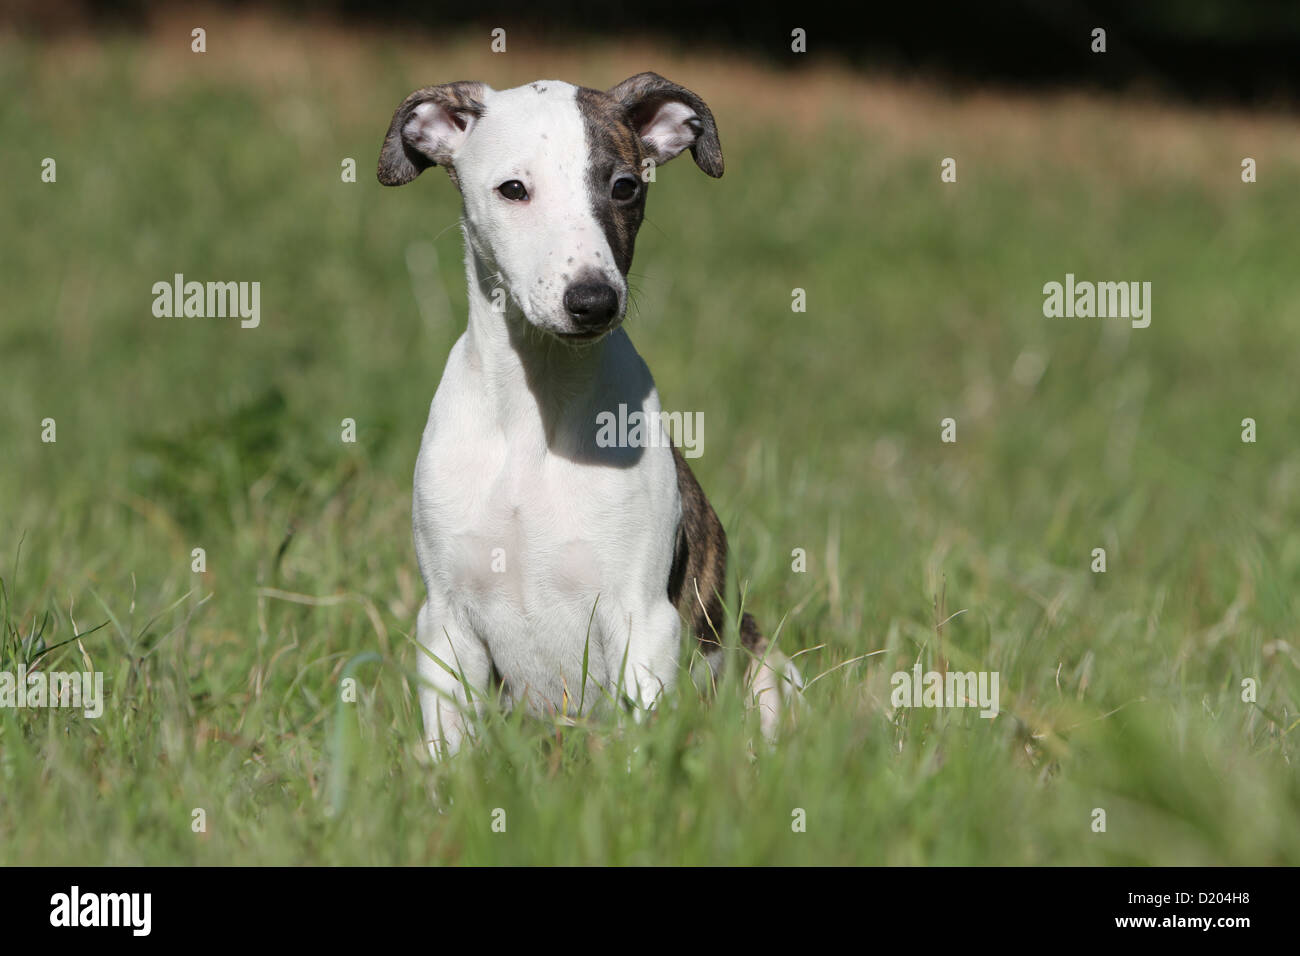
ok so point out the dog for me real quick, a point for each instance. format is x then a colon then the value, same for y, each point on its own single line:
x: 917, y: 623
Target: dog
x: 558, y: 571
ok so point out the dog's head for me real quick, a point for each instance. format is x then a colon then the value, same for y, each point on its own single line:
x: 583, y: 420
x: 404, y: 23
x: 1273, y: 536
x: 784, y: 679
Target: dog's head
x: 554, y: 181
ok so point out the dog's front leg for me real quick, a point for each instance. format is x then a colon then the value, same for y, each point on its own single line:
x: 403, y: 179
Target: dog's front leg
x: 647, y: 657
x: 452, y: 686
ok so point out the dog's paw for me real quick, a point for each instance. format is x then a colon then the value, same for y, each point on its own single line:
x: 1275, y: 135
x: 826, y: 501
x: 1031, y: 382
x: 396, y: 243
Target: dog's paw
x: 774, y: 687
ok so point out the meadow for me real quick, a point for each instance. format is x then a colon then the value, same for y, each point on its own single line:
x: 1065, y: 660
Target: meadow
x: 1120, y: 691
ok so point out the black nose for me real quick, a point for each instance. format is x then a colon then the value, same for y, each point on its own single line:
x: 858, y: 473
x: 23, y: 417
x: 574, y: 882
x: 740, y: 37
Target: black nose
x: 592, y: 303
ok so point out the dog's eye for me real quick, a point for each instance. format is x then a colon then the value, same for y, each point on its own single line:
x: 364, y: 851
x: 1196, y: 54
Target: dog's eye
x: 513, y: 190
x: 624, y: 188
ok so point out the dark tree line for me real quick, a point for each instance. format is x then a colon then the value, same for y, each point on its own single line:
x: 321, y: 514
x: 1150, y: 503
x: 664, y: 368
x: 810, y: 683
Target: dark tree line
x: 1240, y: 50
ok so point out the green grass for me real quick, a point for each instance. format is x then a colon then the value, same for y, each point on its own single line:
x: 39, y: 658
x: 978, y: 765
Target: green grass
x: 1119, y: 691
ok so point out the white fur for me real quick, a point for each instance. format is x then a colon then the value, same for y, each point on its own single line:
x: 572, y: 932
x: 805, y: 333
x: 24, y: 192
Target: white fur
x: 509, y: 459
x: 537, y: 546
x: 539, y: 245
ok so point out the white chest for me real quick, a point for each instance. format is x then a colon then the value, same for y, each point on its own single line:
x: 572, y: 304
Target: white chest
x: 526, y: 538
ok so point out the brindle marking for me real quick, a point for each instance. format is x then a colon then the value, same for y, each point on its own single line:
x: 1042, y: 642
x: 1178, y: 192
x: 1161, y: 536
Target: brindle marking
x: 613, y: 122
x: 399, y: 161
x: 615, y: 148
x: 643, y: 94
x: 699, y: 571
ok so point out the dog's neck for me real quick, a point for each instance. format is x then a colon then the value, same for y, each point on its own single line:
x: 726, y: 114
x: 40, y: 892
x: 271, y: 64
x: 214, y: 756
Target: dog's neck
x: 527, y: 373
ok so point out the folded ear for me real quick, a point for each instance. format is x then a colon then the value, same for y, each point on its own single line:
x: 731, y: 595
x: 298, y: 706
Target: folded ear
x: 428, y: 128
x: 670, y: 118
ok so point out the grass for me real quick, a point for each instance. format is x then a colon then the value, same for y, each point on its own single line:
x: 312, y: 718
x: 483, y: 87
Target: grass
x: 1119, y: 691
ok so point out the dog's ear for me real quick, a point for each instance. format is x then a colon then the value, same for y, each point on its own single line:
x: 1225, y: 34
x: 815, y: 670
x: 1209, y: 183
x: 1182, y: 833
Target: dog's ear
x: 670, y: 118
x: 428, y: 128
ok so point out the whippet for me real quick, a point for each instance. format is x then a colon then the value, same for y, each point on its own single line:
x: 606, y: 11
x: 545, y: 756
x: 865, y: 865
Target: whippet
x: 540, y: 547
